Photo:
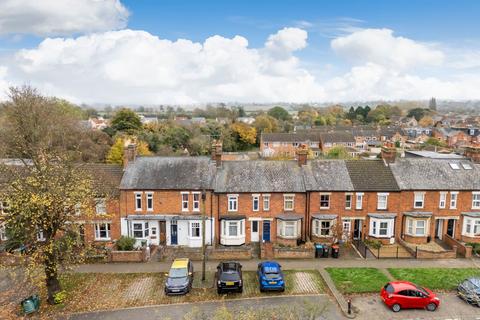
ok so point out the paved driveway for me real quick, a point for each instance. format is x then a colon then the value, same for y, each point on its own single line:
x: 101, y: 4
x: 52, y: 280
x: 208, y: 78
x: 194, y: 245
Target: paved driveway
x: 208, y: 309
x: 451, y: 307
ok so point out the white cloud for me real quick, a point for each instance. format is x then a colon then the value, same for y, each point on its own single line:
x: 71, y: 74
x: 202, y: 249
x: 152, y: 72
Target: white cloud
x: 61, y: 17
x: 381, y: 47
x: 136, y: 67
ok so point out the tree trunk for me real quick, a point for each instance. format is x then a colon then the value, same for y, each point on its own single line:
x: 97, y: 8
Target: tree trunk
x: 53, y: 285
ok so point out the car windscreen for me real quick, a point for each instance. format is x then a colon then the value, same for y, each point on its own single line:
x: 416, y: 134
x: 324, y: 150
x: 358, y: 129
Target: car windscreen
x: 178, y: 273
x: 271, y: 272
x: 389, y: 288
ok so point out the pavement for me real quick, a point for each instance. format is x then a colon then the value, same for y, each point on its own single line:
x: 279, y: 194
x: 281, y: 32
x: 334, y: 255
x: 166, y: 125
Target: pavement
x: 207, y: 310
x: 316, y: 264
x: 451, y: 308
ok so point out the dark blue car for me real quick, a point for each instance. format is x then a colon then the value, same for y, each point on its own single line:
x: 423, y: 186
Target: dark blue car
x: 270, y: 276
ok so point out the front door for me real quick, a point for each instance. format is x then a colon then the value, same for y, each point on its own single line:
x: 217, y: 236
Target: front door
x: 357, y: 229
x: 173, y: 233
x: 154, y: 235
x: 439, y: 229
x: 254, y: 233
x: 451, y: 227
x: 346, y: 230
x: 266, y: 231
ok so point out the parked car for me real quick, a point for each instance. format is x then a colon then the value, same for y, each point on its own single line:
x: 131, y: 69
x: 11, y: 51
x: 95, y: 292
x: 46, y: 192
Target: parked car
x: 180, y: 278
x: 469, y: 290
x: 229, y: 277
x: 270, y: 276
x: 399, y: 295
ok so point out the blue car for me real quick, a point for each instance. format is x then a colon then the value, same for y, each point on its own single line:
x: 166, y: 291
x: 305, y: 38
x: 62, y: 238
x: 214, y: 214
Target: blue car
x: 270, y: 276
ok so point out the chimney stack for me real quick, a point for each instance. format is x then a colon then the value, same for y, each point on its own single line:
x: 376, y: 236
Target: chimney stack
x: 302, y: 154
x: 389, y: 152
x: 473, y: 153
x: 217, y: 153
x: 129, y: 154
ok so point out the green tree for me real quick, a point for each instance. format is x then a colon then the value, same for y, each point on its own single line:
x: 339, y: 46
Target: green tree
x: 176, y: 137
x: 279, y: 113
x: 115, y: 154
x: 418, y: 113
x: 338, y: 152
x: 435, y: 142
x: 265, y: 123
x: 126, y: 120
x: 44, y: 191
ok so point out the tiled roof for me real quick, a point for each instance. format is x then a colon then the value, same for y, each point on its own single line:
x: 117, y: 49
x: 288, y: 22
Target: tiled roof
x: 290, y: 137
x: 169, y: 173
x: 327, y: 175
x: 259, y: 176
x: 106, y: 177
x: 337, y: 136
x: 435, y: 174
x: 371, y: 175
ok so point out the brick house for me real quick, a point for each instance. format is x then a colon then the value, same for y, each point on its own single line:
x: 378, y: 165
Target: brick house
x: 161, y: 200
x: 260, y: 201
x: 328, y: 140
x: 286, y: 144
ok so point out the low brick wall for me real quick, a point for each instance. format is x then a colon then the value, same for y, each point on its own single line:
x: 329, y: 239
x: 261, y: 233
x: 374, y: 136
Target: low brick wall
x: 418, y: 240
x: 128, y: 256
x: 425, y: 254
x: 287, y: 242
x: 470, y: 239
x: 462, y: 249
x: 243, y: 253
x: 293, y: 253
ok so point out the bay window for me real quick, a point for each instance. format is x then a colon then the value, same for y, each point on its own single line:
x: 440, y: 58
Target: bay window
x: 322, y: 228
x: 288, y: 229
x: 471, y: 227
x: 416, y: 227
x: 102, y: 231
x: 233, y: 232
x: 381, y: 228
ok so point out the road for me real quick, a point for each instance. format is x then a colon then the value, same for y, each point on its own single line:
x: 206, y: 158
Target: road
x: 206, y: 310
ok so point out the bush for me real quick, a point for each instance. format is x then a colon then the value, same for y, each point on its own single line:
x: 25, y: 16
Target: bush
x: 475, y: 247
x: 60, y: 297
x: 375, y: 244
x: 125, y: 243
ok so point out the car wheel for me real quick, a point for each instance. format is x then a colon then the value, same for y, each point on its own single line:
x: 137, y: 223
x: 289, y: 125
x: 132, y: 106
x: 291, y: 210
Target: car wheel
x: 396, y: 307
x: 261, y: 289
x: 219, y: 291
x: 282, y: 290
x: 431, y: 306
x: 240, y: 290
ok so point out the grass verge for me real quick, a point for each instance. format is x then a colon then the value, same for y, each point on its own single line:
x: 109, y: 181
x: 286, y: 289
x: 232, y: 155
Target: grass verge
x: 357, y: 280
x: 434, y: 278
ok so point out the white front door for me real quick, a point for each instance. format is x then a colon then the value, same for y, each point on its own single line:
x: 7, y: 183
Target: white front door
x: 346, y: 230
x: 440, y: 228
x: 255, y: 237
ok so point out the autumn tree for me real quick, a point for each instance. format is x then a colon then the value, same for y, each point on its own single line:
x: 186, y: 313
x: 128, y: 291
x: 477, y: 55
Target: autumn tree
x: 244, y: 135
x: 45, y: 190
x: 115, y: 155
x: 126, y: 120
x: 426, y: 121
x: 338, y: 152
x: 265, y: 123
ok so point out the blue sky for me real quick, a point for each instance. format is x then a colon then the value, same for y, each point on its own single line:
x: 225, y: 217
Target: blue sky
x: 434, y: 49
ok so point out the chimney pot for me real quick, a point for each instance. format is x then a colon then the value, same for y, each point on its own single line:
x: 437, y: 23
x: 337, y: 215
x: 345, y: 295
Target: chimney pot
x: 389, y: 153
x: 302, y: 155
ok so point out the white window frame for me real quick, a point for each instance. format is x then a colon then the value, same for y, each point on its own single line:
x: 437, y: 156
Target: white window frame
x: 359, y: 201
x: 442, y: 202
x: 98, y: 231
x: 348, y: 203
x: 196, y: 196
x: 185, y: 202
x: 240, y: 227
x: 285, y: 226
x: 266, y: 202
x: 138, y: 205
x: 471, y: 227
x: 475, y: 200
x: 195, y: 225
x: 3, y: 207
x: 232, y: 205
x: 383, y: 207
x: 287, y: 198
x: 413, y: 227
x: 40, y: 236
x: 100, y: 206
x: 149, y: 200
x: 453, y: 199
x: 255, y: 202
x: 375, y: 227
x: 327, y: 197
x: 419, y: 200
x: 145, y: 229
x: 77, y: 209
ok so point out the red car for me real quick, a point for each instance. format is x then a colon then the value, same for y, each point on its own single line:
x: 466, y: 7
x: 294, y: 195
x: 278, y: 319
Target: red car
x: 399, y: 295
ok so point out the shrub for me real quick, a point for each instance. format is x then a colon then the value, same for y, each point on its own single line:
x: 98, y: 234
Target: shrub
x: 475, y: 247
x: 60, y: 297
x: 375, y: 244
x: 125, y: 243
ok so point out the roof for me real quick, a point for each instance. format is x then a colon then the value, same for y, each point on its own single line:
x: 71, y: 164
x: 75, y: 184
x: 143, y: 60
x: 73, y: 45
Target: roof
x: 324, y: 216
x: 327, y: 175
x: 290, y: 216
x: 180, y: 263
x: 371, y: 175
x: 383, y: 215
x: 471, y: 214
x: 418, y: 214
x: 435, y: 174
x: 290, y: 137
x: 432, y: 154
x: 169, y: 173
x: 259, y: 176
x: 106, y: 177
x: 337, y: 136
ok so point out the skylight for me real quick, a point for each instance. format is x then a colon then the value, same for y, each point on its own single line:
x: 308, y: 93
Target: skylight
x: 467, y: 166
x: 454, y: 166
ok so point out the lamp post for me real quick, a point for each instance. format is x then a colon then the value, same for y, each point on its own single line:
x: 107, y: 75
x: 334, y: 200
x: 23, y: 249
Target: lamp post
x: 204, y: 196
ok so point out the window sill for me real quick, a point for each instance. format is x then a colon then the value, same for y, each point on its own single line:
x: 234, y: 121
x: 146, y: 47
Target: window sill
x: 324, y: 208
x: 380, y: 237
x: 289, y: 237
x: 103, y: 239
x: 416, y: 235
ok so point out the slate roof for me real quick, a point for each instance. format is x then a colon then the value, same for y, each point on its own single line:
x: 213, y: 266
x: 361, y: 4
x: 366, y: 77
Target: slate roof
x: 371, y: 175
x: 327, y: 175
x: 106, y: 177
x: 259, y: 176
x: 290, y: 137
x: 169, y: 173
x: 337, y: 136
x: 435, y: 174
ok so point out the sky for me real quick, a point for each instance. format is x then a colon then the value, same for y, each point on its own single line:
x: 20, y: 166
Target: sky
x: 189, y: 52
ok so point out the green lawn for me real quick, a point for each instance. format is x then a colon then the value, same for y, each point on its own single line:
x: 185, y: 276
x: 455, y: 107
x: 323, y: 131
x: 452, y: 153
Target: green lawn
x: 357, y: 280
x: 434, y: 278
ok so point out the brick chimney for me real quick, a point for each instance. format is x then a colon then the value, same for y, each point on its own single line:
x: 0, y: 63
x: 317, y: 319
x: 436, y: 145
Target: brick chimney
x: 302, y: 154
x: 217, y: 153
x: 473, y: 153
x: 389, y: 152
x: 129, y: 154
